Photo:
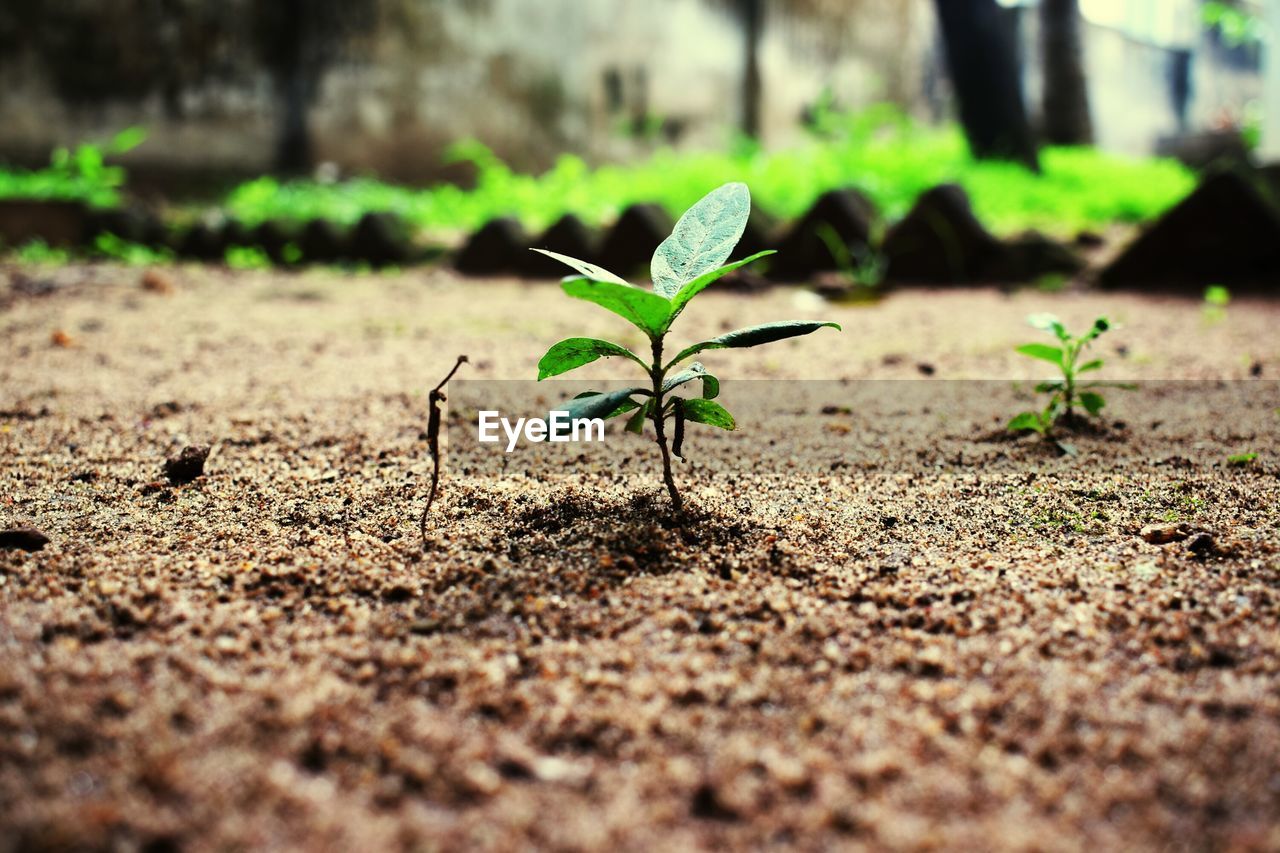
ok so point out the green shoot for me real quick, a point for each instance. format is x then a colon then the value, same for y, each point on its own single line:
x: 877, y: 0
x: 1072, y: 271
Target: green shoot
x: 862, y: 268
x: 685, y: 264
x: 1066, y: 392
x: 1216, y: 300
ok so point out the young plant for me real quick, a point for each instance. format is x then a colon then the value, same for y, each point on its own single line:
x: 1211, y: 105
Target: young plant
x: 1065, y: 393
x: 684, y: 265
x: 1216, y: 300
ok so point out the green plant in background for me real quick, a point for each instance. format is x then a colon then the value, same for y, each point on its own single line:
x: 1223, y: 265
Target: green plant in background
x: 116, y: 248
x: 684, y: 265
x: 79, y: 174
x: 247, y: 258
x: 1235, y: 25
x: 1216, y: 300
x: 862, y: 267
x: 1239, y: 460
x: 1065, y: 393
x: 880, y: 150
x: 39, y: 252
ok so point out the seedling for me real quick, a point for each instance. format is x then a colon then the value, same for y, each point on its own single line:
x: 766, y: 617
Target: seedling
x: 1216, y: 300
x: 861, y: 267
x: 1067, y: 392
x: 1239, y: 460
x: 684, y: 265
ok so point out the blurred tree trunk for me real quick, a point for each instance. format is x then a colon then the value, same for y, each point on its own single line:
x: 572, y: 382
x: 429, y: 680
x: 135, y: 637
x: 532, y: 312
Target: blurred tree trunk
x: 1065, y: 100
x: 752, y: 29
x: 298, y: 40
x: 284, y: 30
x: 983, y: 64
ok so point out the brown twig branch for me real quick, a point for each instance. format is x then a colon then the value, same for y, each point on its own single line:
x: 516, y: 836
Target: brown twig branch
x: 435, y: 399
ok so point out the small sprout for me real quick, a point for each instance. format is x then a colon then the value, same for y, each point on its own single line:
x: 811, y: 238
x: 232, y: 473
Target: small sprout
x: 1051, y: 283
x: 684, y: 265
x: 1216, y: 294
x: 1064, y: 393
x: 1216, y: 300
x: 861, y: 269
x: 1241, y: 459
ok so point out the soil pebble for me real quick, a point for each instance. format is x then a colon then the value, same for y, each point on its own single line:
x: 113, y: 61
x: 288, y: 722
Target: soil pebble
x: 1163, y: 534
x: 22, y: 539
x: 1202, y: 544
x: 157, y: 281
x: 187, y: 465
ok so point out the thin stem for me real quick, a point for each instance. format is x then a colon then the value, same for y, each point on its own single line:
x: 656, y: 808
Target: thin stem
x: 1070, y: 355
x: 658, y: 374
x: 434, y: 399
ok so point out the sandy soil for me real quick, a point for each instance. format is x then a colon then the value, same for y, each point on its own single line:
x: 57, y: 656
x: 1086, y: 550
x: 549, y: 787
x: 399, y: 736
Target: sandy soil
x: 882, y: 624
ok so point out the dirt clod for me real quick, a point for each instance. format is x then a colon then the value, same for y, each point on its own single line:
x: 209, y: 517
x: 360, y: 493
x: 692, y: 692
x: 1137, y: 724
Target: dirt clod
x: 157, y: 281
x: 1163, y: 534
x: 23, y: 539
x: 1202, y: 544
x: 187, y: 465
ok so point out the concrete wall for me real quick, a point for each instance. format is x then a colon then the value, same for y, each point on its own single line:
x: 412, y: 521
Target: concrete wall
x: 530, y: 78
x: 397, y: 80
x: 1134, y: 50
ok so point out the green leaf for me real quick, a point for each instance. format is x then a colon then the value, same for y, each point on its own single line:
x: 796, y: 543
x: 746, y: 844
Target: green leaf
x: 644, y: 310
x: 636, y: 422
x: 1044, y: 352
x: 573, y: 353
x: 1049, y: 387
x: 1096, y: 364
x: 699, y: 284
x: 1092, y: 403
x: 707, y: 412
x: 591, y: 271
x: 754, y: 336
x: 1026, y: 421
x: 1048, y: 323
x: 1100, y: 325
x: 127, y: 140
x: 710, y: 387
x: 605, y: 404
x: 703, y: 238
x: 1241, y: 458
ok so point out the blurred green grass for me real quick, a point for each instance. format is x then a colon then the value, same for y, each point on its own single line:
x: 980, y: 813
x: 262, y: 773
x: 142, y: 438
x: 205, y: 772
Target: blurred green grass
x: 879, y: 151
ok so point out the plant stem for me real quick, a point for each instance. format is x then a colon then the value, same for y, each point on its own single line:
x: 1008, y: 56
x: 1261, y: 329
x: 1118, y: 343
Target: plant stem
x: 657, y: 374
x: 1070, y: 354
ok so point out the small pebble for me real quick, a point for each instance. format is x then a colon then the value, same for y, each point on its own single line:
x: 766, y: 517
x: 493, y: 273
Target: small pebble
x: 157, y: 281
x: 1202, y: 544
x: 187, y: 465
x: 23, y: 538
x: 1163, y: 534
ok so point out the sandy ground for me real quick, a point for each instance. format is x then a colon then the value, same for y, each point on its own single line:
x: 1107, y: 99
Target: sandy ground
x: 881, y: 624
